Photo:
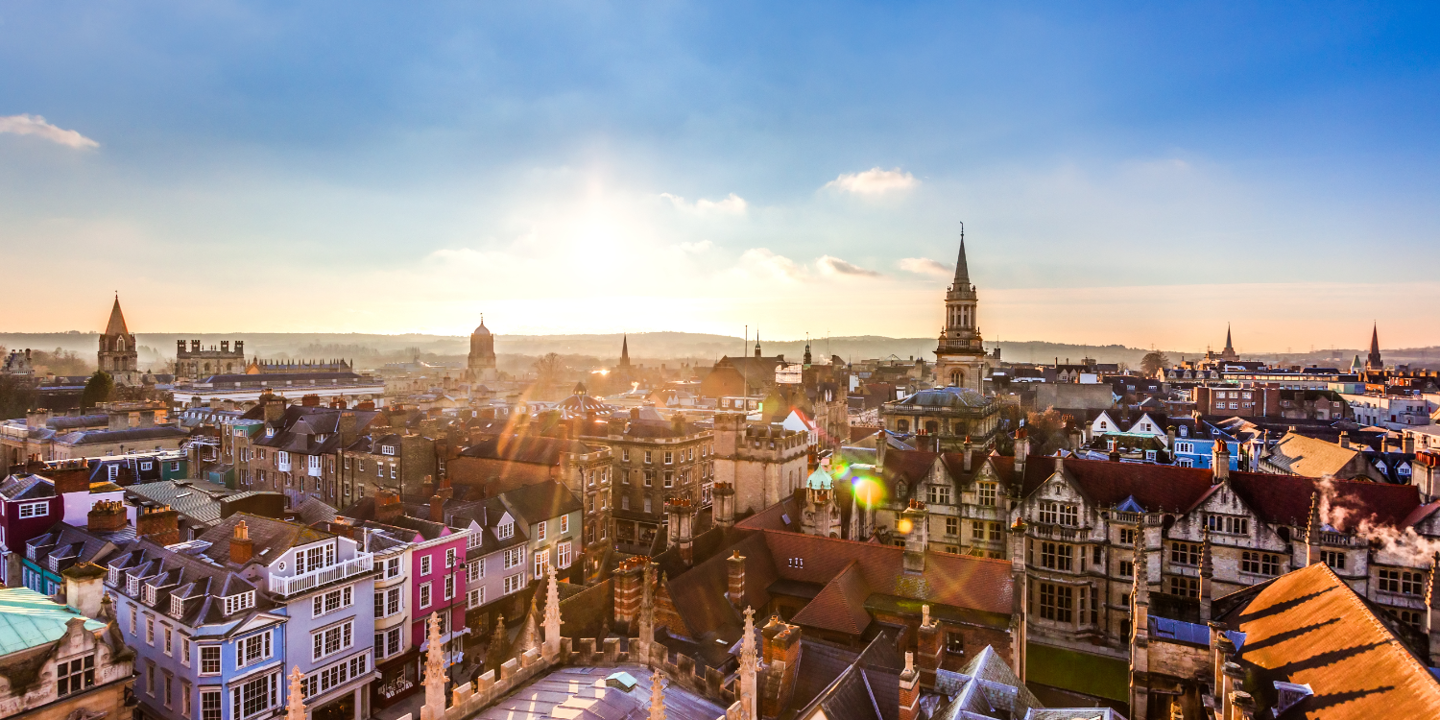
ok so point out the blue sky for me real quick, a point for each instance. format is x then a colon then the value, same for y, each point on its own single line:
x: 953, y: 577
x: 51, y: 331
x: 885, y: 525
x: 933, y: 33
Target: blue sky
x: 1130, y: 173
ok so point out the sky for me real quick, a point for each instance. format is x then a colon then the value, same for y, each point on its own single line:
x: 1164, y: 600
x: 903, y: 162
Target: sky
x: 1136, y: 173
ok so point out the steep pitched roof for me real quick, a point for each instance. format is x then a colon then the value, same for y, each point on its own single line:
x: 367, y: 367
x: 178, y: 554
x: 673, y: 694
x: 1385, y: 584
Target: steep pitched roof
x: 1309, y: 627
x: 116, y: 326
x: 270, y: 537
x: 1285, y: 499
x: 840, y: 606
x: 540, y: 501
x: 1301, y: 455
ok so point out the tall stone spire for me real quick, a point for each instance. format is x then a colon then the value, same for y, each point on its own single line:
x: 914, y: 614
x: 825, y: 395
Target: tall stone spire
x: 295, y: 707
x: 749, y: 664
x: 1373, y: 361
x: 962, y: 269
x: 625, y: 351
x: 1229, y: 346
x: 657, y: 696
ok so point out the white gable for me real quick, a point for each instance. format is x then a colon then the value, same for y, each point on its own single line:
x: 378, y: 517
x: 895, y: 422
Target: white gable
x: 1104, y: 424
x: 1146, y: 425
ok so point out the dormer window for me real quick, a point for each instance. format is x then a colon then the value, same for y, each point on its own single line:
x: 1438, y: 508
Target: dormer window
x: 132, y: 586
x: 239, y: 601
x: 269, y: 431
x: 177, y: 606
x: 506, y: 531
x: 387, y: 449
x: 113, y: 578
x: 150, y: 595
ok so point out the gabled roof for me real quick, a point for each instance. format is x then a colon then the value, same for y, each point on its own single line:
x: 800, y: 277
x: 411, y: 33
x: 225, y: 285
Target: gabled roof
x: 1285, y: 499
x: 26, y: 487
x: 528, y: 449
x: 840, y: 606
x: 196, y: 499
x: 540, y: 501
x: 270, y: 537
x: 1301, y: 455
x: 1309, y: 627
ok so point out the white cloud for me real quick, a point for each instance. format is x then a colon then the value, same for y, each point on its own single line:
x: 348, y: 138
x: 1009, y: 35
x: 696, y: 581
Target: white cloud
x: 695, y: 248
x: 762, y: 261
x: 924, y: 266
x: 835, y: 266
x: 731, y: 204
x: 36, y: 125
x: 874, y: 181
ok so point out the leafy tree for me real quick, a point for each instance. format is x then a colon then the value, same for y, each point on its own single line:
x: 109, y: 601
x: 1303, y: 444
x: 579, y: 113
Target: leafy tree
x: 1153, y: 362
x: 98, y: 389
x: 1047, y: 430
x: 16, y: 396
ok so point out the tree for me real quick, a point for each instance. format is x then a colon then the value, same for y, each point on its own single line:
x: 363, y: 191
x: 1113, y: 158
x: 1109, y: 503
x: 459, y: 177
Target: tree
x: 548, y: 370
x: 98, y: 389
x: 1153, y: 362
x: 1047, y: 431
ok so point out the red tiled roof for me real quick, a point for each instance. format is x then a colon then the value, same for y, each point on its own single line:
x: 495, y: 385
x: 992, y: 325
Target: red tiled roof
x: 1285, y: 499
x: 699, y: 592
x: 955, y: 580
x: 840, y: 606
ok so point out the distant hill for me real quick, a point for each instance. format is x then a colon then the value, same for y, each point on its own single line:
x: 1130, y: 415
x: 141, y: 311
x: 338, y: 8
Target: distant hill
x: 370, y: 350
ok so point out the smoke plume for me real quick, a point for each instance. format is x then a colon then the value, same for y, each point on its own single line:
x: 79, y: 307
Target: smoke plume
x: 1345, y: 514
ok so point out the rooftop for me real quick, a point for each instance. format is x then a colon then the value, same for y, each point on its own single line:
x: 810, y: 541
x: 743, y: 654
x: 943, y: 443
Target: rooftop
x: 570, y: 692
x: 29, y: 619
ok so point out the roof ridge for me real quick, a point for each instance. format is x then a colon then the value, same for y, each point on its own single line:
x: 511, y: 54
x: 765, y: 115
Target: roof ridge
x: 887, y: 547
x: 1393, y: 642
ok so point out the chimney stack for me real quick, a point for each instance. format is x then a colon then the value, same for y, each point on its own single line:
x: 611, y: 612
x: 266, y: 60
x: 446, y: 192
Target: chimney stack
x: 106, y: 516
x: 909, y: 690
x: 84, y: 588
x: 735, y: 568
x: 1022, y: 451
x: 159, y: 523
x: 916, y: 535
x: 387, y: 506
x: 241, y: 547
x: 437, y: 508
x: 680, y: 514
x: 723, y: 507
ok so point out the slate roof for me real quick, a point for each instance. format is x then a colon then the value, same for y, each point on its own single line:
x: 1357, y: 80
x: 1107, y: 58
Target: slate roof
x: 200, y: 583
x: 571, y: 693
x: 29, y: 619
x: 1303, y: 455
x: 1308, y: 627
x: 270, y: 537
x: 70, y: 545
x: 529, y: 449
x: 195, y: 499
x: 540, y: 501
x: 96, y: 437
x: 27, y: 487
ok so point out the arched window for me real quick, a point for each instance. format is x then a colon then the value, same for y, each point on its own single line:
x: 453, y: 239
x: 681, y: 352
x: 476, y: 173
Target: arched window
x: 957, y: 378
x: 902, y: 426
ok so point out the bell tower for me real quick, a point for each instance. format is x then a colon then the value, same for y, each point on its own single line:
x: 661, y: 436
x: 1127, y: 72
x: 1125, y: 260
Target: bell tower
x: 118, y: 355
x: 960, y: 360
x: 481, y: 362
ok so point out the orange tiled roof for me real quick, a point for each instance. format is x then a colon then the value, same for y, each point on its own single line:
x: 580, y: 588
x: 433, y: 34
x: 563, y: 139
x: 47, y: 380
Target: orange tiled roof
x: 840, y: 606
x: 1308, y: 627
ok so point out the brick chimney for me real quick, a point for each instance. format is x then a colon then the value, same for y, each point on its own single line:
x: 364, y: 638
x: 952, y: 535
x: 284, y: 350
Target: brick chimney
x: 159, y: 523
x: 241, y: 547
x: 781, y: 651
x: 930, y: 642
x: 106, y: 516
x: 387, y: 507
x: 629, y: 586
x: 909, y: 690
x: 680, y: 516
x: 437, y: 508
x: 70, y: 480
x: 735, y: 590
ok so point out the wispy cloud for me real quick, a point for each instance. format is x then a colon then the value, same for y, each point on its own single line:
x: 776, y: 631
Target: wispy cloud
x: 874, y: 182
x: 731, y: 204
x: 763, y: 261
x: 924, y: 266
x: 36, y: 125
x: 835, y: 266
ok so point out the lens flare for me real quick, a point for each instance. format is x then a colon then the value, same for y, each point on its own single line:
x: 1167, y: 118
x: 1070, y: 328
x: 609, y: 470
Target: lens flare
x: 904, y: 526
x: 869, y: 492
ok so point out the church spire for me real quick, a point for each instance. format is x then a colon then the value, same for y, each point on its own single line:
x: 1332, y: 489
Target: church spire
x: 1229, y: 347
x: 1374, y: 361
x: 116, y: 326
x: 962, y: 269
x: 625, y: 351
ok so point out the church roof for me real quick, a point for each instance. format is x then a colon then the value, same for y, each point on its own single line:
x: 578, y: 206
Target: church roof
x: 116, y: 326
x: 962, y: 269
x: 482, y: 330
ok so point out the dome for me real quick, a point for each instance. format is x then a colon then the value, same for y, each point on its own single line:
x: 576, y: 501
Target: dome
x: 482, y: 330
x: 947, y: 397
x: 580, y: 405
x: 819, y: 480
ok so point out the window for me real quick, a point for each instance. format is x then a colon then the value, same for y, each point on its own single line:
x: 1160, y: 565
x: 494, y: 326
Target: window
x: 36, y: 509
x: 426, y: 564
x: 648, y: 457
x: 1333, y: 558
x: 542, y: 559
x: 424, y: 595
x: 449, y: 587
x: 540, y: 531
x: 1403, y: 583
x: 1185, y: 553
x: 169, y: 639
x: 239, y: 601
x: 332, y: 601
x: 255, y: 697
x: 1057, y: 602
x: 75, y: 675
x: 209, y: 705
x: 149, y: 630
x: 1185, y: 586
x: 1258, y: 563
x: 253, y: 649
x: 513, y: 557
x: 625, y: 455
x: 505, y: 531
x: 1059, y: 514
x: 1228, y: 524
x: 1056, y: 556
x: 150, y: 677
x: 624, y: 502
x: 954, y: 643
x: 185, y: 651
x: 565, y: 553
x: 987, y: 493
x: 513, y: 583
x: 388, y: 642
x: 184, y: 698
x: 475, y: 598
x: 331, y: 640
x: 450, y: 557
x: 939, y: 495
x: 475, y: 570
x: 209, y: 659
x: 669, y: 457
x: 1127, y: 536
x: 649, y: 505
x: 952, y: 526
x: 977, y: 531
x: 1127, y: 568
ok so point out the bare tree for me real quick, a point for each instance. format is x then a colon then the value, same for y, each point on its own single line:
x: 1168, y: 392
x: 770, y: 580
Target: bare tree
x: 1153, y: 362
x: 548, y: 369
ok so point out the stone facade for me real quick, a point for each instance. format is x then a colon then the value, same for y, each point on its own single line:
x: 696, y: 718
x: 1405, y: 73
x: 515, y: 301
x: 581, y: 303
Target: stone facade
x: 762, y: 462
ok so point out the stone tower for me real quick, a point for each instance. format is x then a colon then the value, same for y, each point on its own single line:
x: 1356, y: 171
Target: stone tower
x: 482, y: 354
x: 117, y: 349
x: 960, y: 360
